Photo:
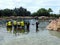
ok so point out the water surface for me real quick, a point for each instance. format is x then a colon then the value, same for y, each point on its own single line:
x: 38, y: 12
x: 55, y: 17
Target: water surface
x: 42, y: 37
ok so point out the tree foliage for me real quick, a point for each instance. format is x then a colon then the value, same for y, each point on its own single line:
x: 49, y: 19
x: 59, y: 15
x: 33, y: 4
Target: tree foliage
x: 50, y: 10
x: 24, y: 12
x: 15, y: 12
x: 43, y: 12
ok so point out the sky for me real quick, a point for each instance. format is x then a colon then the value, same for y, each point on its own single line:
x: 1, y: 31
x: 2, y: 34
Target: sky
x: 31, y: 5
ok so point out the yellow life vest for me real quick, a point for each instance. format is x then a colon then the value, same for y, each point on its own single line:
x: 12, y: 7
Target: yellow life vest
x: 9, y: 23
x: 22, y: 23
x: 14, y: 23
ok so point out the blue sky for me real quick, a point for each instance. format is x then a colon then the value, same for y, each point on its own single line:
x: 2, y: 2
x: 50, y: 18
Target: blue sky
x: 31, y: 5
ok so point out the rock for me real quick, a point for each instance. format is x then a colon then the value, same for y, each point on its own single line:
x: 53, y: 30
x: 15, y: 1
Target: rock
x: 52, y: 25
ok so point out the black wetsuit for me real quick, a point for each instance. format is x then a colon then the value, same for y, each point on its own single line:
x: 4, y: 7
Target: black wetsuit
x: 28, y: 24
x: 37, y: 23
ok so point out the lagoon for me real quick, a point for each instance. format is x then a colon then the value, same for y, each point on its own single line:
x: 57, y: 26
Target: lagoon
x: 42, y: 37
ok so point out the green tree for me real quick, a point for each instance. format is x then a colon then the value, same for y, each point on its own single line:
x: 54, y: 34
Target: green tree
x: 23, y: 12
x: 34, y: 14
x: 50, y: 10
x: 0, y: 13
x: 14, y: 13
x: 7, y: 12
x: 42, y: 12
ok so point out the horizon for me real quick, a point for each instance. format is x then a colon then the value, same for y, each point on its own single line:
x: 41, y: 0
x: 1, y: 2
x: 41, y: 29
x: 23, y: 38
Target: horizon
x: 31, y: 5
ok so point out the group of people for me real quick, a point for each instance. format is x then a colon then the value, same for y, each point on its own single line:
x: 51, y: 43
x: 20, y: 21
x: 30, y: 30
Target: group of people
x: 15, y: 24
x: 20, y: 25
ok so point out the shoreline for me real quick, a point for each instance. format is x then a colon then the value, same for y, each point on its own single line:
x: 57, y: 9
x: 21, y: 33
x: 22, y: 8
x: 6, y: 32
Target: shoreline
x: 26, y: 17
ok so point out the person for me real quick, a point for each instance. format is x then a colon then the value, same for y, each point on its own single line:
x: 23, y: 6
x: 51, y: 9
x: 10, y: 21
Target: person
x: 37, y: 23
x: 9, y: 24
x: 15, y: 24
x: 22, y: 24
x: 18, y: 24
x: 28, y: 24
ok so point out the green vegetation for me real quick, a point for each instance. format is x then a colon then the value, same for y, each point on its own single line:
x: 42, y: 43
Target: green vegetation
x: 42, y: 12
x: 24, y: 12
x: 15, y: 12
x: 45, y: 12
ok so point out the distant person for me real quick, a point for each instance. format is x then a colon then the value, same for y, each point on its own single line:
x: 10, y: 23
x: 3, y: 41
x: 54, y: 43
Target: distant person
x: 18, y: 24
x: 15, y: 24
x: 22, y: 24
x: 28, y: 25
x: 37, y: 23
x: 9, y: 24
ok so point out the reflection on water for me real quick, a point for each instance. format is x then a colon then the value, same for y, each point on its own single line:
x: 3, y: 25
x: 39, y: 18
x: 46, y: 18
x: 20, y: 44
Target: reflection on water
x: 15, y: 31
x: 22, y: 37
x: 18, y: 30
x: 9, y: 29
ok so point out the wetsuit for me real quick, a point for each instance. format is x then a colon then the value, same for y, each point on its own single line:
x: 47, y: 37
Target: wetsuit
x: 28, y: 24
x: 37, y: 26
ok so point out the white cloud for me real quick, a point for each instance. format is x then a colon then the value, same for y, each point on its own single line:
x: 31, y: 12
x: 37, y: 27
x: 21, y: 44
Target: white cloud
x: 6, y: 4
x: 32, y: 5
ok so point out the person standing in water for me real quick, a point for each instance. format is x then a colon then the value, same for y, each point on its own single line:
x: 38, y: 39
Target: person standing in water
x: 9, y: 24
x: 27, y: 26
x: 18, y: 24
x: 15, y: 24
x: 37, y: 23
x: 22, y: 24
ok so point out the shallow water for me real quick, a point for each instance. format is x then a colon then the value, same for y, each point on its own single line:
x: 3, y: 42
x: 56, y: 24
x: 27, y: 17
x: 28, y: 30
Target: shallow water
x: 42, y: 37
